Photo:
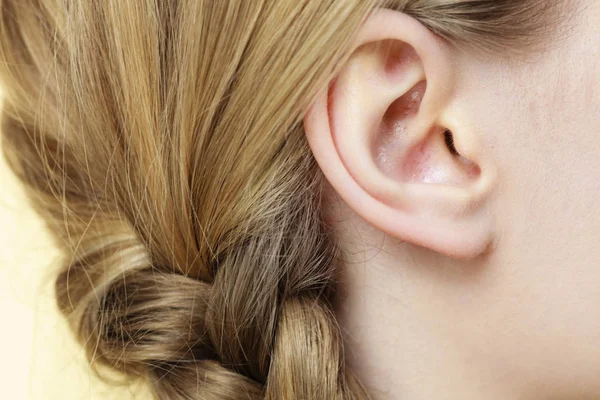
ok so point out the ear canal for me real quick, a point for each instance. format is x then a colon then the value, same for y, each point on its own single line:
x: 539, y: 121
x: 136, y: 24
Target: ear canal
x: 449, y: 139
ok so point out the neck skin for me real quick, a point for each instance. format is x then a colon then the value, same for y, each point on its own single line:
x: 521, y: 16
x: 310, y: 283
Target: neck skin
x: 415, y: 322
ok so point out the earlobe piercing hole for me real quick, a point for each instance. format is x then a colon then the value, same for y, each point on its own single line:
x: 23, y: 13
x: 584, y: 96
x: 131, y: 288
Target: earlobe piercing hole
x: 449, y: 139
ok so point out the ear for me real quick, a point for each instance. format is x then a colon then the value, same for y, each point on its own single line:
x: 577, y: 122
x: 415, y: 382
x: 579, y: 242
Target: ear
x: 388, y: 136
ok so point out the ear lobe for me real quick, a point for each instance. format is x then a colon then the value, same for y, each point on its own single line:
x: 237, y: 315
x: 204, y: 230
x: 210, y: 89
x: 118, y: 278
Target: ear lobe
x: 378, y: 135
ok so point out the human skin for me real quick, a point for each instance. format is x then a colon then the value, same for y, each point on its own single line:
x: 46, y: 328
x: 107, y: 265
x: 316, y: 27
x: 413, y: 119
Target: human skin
x: 498, y: 295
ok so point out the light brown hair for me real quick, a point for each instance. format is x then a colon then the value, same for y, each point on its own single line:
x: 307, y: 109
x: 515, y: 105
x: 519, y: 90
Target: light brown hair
x: 162, y: 142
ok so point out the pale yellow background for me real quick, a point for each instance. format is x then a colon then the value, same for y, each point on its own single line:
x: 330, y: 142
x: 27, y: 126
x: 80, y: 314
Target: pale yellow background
x: 39, y: 358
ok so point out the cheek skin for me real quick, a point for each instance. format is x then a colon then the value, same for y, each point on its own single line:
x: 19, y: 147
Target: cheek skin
x: 540, y: 123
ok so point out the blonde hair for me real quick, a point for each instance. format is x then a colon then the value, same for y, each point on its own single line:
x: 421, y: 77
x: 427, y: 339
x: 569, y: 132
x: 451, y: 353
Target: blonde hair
x: 162, y: 142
